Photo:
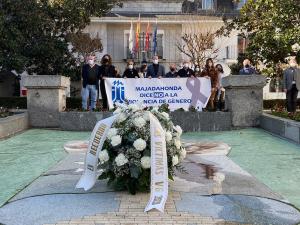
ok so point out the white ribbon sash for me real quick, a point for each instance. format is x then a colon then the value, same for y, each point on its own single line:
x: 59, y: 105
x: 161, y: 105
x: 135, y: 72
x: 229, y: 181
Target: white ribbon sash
x: 88, y: 179
x: 159, y: 162
x: 159, y: 167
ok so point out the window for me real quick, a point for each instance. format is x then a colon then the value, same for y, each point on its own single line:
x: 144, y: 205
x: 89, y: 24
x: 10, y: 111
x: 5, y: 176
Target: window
x: 143, y: 53
x: 227, y: 52
x: 207, y: 4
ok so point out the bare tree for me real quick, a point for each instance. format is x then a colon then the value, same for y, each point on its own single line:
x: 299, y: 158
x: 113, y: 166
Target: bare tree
x: 198, y: 46
x: 84, y: 45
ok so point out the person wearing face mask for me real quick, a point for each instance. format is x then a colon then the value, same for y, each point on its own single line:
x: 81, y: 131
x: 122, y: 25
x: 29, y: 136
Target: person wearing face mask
x: 130, y: 72
x: 209, y: 71
x: 107, y: 70
x: 143, y: 70
x: 291, y: 85
x: 155, y: 70
x: 172, y: 73
x: 197, y: 71
x: 247, y: 69
x: 220, y: 99
x: 90, y: 83
x: 186, y: 71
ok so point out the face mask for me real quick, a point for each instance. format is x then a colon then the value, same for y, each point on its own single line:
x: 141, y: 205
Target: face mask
x: 247, y: 66
x: 91, y: 62
x: 105, y: 60
x: 155, y: 61
x: 172, y: 69
x: 293, y: 64
x: 197, y: 69
x: 130, y: 67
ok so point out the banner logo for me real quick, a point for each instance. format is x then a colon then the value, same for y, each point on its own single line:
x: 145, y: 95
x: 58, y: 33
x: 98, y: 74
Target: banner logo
x: 118, y: 92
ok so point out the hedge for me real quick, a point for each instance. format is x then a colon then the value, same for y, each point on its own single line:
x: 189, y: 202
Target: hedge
x: 75, y: 103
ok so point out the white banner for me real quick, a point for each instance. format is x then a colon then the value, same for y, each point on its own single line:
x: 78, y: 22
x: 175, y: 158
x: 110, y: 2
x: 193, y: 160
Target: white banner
x: 97, y: 139
x: 177, y: 92
x: 159, y: 167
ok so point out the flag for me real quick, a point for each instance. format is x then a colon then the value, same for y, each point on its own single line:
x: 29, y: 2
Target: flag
x: 155, y: 40
x: 131, y: 39
x: 137, y: 34
x: 147, y: 44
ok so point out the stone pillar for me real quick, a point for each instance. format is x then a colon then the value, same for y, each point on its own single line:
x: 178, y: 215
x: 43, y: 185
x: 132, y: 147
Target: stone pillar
x: 244, y: 98
x: 46, y: 97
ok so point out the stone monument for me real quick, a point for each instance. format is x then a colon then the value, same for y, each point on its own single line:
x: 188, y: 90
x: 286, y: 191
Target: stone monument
x: 244, y: 99
x: 46, y: 97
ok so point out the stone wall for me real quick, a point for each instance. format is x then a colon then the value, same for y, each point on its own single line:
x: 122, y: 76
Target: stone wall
x: 282, y: 127
x: 189, y: 121
x: 13, y: 124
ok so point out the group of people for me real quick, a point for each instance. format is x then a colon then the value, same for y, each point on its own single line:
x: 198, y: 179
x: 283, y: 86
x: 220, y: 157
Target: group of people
x: 92, y: 73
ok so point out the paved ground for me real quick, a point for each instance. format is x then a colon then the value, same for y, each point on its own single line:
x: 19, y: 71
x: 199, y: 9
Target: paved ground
x: 214, y: 191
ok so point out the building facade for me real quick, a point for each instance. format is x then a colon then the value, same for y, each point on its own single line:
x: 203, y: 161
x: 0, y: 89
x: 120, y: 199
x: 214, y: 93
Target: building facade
x: 172, y: 18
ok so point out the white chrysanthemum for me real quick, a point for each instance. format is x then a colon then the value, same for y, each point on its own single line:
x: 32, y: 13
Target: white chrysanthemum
x: 146, y: 116
x: 117, y: 111
x: 219, y: 177
x: 133, y: 107
x: 139, y: 122
x: 175, y: 160
x: 182, y: 154
x: 121, y: 160
x: 168, y: 136
x: 296, y: 47
x: 146, y: 162
x: 116, y: 140
x: 112, y: 132
x: 166, y: 115
x: 155, y: 109
x: 178, y: 130
x: 177, y: 143
x: 139, y: 144
x: 122, y: 117
x: 103, y: 156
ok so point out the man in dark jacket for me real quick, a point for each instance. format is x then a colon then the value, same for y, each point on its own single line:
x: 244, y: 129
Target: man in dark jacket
x: 172, y: 73
x: 247, y: 69
x: 186, y: 71
x: 155, y: 70
x: 291, y: 85
x: 90, y: 83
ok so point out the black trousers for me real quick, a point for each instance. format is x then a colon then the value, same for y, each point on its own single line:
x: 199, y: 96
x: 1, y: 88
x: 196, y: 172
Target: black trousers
x: 291, y: 97
x: 103, y: 94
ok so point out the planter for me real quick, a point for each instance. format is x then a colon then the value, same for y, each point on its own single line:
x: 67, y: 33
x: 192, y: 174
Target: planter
x: 280, y: 126
x: 13, y: 124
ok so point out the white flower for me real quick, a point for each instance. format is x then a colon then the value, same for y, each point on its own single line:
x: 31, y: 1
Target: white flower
x: 146, y: 116
x: 166, y: 115
x: 178, y: 130
x: 121, y: 160
x: 133, y: 107
x: 122, y: 117
x: 139, y: 144
x: 146, y: 162
x: 139, y: 122
x: 182, y: 154
x: 177, y: 143
x: 168, y: 136
x: 117, y: 111
x: 296, y: 47
x: 155, y: 109
x: 116, y: 140
x: 103, y: 156
x: 175, y: 160
x: 112, y: 132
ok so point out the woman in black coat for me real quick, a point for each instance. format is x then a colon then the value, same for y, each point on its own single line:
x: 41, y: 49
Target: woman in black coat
x: 130, y: 71
x: 106, y: 70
